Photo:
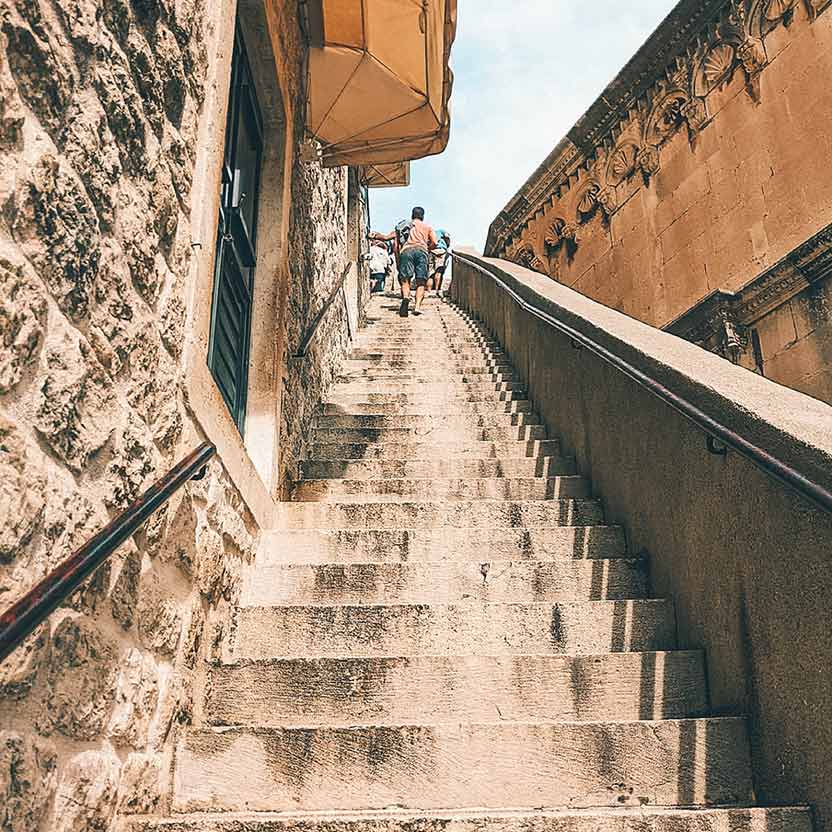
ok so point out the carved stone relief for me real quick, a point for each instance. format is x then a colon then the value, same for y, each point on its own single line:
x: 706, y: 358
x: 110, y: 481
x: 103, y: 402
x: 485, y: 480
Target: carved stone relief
x: 734, y: 43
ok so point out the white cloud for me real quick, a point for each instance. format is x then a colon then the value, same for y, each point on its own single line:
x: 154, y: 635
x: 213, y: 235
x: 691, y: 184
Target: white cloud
x: 524, y: 72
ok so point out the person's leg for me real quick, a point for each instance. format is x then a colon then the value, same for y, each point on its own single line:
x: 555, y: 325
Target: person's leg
x: 420, y: 266
x: 436, y: 282
x: 420, y: 294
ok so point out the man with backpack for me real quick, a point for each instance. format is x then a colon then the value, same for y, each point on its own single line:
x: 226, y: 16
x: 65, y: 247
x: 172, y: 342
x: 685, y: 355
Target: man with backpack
x: 413, y: 241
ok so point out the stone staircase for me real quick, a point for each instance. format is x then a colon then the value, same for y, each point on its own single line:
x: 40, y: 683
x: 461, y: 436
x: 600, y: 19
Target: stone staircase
x: 445, y: 635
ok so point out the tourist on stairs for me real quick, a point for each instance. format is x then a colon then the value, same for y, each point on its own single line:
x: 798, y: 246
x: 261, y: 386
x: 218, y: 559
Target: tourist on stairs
x: 413, y: 240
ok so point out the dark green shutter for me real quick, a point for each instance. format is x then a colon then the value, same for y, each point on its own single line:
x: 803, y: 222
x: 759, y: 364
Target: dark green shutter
x: 236, y: 252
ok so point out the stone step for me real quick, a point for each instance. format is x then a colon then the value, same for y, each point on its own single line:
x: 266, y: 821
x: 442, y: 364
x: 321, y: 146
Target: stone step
x: 460, y: 407
x: 418, y: 367
x: 425, y: 376
x: 473, y: 764
x: 436, y: 449
x: 620, y: 819
x: 390, y: 691
x: 428, y: 343
x: 445, y: 582
x: 477, y: 358
x: 459, y: 514
x: 428, y: 387
x: 428, y: 432
x: 392, y: 490
x: 424, y: 421
x: 446, y: 395
x: 386, y: 469
x: 500, y: 629
x: 423, y: 544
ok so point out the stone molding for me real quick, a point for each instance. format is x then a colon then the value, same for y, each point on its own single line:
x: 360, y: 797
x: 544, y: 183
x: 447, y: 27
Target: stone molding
x: 720, y: 322
x: 697, y: 49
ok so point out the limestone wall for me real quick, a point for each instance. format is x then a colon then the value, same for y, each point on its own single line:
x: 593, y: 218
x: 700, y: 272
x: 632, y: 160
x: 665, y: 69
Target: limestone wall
x: 105, y: 108
x: 696, y: 170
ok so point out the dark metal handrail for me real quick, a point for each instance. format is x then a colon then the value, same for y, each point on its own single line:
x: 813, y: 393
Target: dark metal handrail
x: 25, y: 615
x: 310, y: 333
x: 766, y: 462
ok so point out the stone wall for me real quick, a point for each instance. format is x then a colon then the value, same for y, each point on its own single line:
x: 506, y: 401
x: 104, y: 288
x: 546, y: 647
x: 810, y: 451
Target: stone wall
x: 695, y: 171
x: 102, y: 106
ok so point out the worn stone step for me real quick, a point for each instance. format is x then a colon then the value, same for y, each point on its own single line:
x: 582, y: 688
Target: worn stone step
x: 386, y: 545
x: 619, y: 819
x: 478, y: 358
x: 385, y: 469
x: 385, y: 691
x: 460, y: 407
x: 419, y: 366
x: 428, y: 343
x: 428, y: 376
x: 432, y: 448
x: 426, y: 387
x: 445, y: 582
x: 429, y: 432
x: 473, y: 764
x: 432, y: 399
x: 459, y: 514
x: 576, y: 627
x: 486, y: 488
x: 424, y: 421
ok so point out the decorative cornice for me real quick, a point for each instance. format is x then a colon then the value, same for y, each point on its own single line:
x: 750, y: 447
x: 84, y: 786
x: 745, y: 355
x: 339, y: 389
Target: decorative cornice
x: 809, y: 263
x: 698, y: 48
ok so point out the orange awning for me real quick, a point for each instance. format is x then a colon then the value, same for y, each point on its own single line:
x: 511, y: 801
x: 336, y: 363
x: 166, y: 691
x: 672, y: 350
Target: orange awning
x: 393, y: 175
x: 379, y: 79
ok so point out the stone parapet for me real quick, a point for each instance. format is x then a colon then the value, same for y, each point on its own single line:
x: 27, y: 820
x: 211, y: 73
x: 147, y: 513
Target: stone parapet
x: 744, y: 557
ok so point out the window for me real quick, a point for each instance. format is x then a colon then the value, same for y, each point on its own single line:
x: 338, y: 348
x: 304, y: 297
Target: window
x: 236, y: 249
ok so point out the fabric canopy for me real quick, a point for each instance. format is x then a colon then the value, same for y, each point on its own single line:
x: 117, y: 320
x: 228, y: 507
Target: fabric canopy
x: 379, y: 80
x: 393, y: 175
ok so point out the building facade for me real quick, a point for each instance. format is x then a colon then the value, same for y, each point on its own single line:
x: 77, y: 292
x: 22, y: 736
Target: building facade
x: 692, y: 195
x: 165, y: 248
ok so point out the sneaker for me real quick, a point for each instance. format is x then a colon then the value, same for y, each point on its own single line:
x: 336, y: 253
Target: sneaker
x: 404, y: 309
x: 417, y: 312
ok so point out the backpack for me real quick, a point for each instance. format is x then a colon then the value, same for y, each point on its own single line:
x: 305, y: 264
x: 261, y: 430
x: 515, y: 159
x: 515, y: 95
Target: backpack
x: 403, y: 232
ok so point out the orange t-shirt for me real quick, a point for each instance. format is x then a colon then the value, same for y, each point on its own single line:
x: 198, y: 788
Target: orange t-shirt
x: 421, y: 236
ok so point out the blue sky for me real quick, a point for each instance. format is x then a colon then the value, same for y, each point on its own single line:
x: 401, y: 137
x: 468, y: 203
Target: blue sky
x: 524, y: 71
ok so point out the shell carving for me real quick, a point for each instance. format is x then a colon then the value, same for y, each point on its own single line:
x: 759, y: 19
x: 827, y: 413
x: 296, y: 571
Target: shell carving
x: 622, y: 163
x: 717, y: 64
x: 554, y: 236
x: 588, y: 201
x: 777, y: 9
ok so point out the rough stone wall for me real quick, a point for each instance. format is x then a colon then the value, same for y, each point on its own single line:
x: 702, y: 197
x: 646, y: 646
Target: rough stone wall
x: 99, y: 105
x: 318, y: 255
x: 713, y: 177
x: 319, y: 252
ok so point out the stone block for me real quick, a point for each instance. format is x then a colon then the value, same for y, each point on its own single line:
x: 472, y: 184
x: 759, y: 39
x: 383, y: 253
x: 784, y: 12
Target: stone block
x: 140, y: 789
x: 86, y: 796
x: 41, y: 65
x: 136, y: 695
x: 76, y: 408
x: 22, y: 322
x: 22, y: 495
x: 159, y: 616
x: 27, y: 780
x: 79, y: 680
x: 56, y: 227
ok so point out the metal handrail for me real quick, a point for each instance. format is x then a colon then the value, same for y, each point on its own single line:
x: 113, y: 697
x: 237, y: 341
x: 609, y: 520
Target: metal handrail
x: 765, y: 461
x: 310, y: 333
x: 25, y: 615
